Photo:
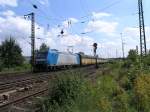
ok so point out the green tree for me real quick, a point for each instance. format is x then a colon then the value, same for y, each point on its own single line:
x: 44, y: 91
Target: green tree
x: 132, y: 59
x: 1, y: 64
x: 146, y: 59
x: 10, y: 53
x: 133, y: 55
x: 43, y: 47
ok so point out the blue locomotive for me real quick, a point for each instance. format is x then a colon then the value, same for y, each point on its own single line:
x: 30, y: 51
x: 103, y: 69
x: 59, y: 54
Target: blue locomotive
x: 53, y: 59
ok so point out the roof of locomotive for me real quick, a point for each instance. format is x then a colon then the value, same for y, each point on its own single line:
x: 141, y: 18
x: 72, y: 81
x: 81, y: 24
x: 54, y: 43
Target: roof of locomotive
x: 59, y: 52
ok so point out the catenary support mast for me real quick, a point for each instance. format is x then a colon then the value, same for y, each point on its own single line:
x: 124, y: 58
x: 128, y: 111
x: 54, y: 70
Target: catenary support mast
x: 142, y: 29
x: 32, y: 16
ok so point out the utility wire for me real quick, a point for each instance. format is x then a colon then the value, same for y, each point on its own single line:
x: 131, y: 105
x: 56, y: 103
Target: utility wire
x: 103, y: 9
x: 83, y: 8
x: 86, y: 16
x: 45, y: 16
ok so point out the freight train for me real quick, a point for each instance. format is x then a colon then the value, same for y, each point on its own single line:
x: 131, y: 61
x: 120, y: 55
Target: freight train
x: 53, y: 59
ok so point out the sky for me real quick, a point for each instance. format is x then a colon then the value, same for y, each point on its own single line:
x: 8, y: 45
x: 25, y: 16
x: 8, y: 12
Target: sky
x: 84, y: 22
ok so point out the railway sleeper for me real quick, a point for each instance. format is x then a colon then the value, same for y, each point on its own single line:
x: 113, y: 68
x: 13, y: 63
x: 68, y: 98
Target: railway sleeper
x: 26, y: 88
x: 21, y: 109
x: 14, y: 108
x: 5, y: 96
x: 29, y: 106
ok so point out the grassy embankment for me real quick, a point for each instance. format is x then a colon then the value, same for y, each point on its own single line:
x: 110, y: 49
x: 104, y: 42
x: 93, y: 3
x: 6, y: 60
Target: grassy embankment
x: 23, y: 68
x: 118, y: 89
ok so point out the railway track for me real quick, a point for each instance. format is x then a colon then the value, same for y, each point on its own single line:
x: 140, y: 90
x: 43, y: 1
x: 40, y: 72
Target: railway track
x: 22, y: 79
x: 11, y: 85
x: 34, y: 78
x: 7, y: 105
x: 22, y: 82
x: 13, y: 94
x: 12, y: 90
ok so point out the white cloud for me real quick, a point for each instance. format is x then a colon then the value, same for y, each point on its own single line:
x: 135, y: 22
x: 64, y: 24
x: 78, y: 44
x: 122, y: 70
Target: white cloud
x: 134, y: 32
x: 44, y: 2
x: 69, y: 22
x: 76, y: 40
x: 102, y: 27
x: 19, y: 28
x: 100, y: 15
x: 131, y: 36
x: 2, y: 19
x: 8, y: 13
x: 12, y: 3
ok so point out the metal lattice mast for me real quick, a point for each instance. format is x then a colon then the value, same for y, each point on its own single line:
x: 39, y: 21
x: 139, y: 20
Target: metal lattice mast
x: 142, y: 29
x: 32, y: 38
x: 123, y: 43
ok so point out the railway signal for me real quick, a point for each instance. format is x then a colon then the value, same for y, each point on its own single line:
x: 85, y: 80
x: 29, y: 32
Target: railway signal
x: 95, y: 48
x: 62, y: 32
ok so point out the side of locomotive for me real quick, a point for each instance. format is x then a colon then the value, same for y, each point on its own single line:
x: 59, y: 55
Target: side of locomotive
x: 56, y: 58
x: 53, y: 59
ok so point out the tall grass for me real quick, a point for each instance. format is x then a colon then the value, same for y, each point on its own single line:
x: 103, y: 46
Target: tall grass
x: 71, y: 92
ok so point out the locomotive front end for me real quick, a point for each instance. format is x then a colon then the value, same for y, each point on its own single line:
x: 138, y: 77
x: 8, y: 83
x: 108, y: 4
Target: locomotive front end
x: 41, y: 60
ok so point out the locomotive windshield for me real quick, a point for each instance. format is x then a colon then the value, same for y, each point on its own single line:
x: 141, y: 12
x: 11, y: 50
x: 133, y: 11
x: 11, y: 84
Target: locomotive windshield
x: 40, y: 55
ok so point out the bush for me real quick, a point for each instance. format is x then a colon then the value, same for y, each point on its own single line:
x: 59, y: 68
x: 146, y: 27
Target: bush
x: 125, y: 82
x: 107, y: 86
x: 142, y: 93
x: 15, y: 69
x: 126, y: 92
x: 1, y: 66
x: 105, y: 105
x: 71, y: 93
x: 26, y: 66
x: 10, y: 53
x: 66, y: 88
x: 120, y: 102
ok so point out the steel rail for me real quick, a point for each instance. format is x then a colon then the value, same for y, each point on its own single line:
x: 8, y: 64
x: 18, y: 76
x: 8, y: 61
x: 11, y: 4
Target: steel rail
x: 19, y: 82
x: 23, y: 98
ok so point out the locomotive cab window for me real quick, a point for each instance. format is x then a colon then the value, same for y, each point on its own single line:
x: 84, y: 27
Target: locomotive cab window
x: 41, y: 54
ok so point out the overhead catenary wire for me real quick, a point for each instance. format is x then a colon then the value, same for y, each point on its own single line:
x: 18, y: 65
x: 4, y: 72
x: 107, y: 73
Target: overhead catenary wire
x: 104, y: 8
x: 44, y: 14
x: 57, y: 19
x: 83, y: 8
x: 81, y: 21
